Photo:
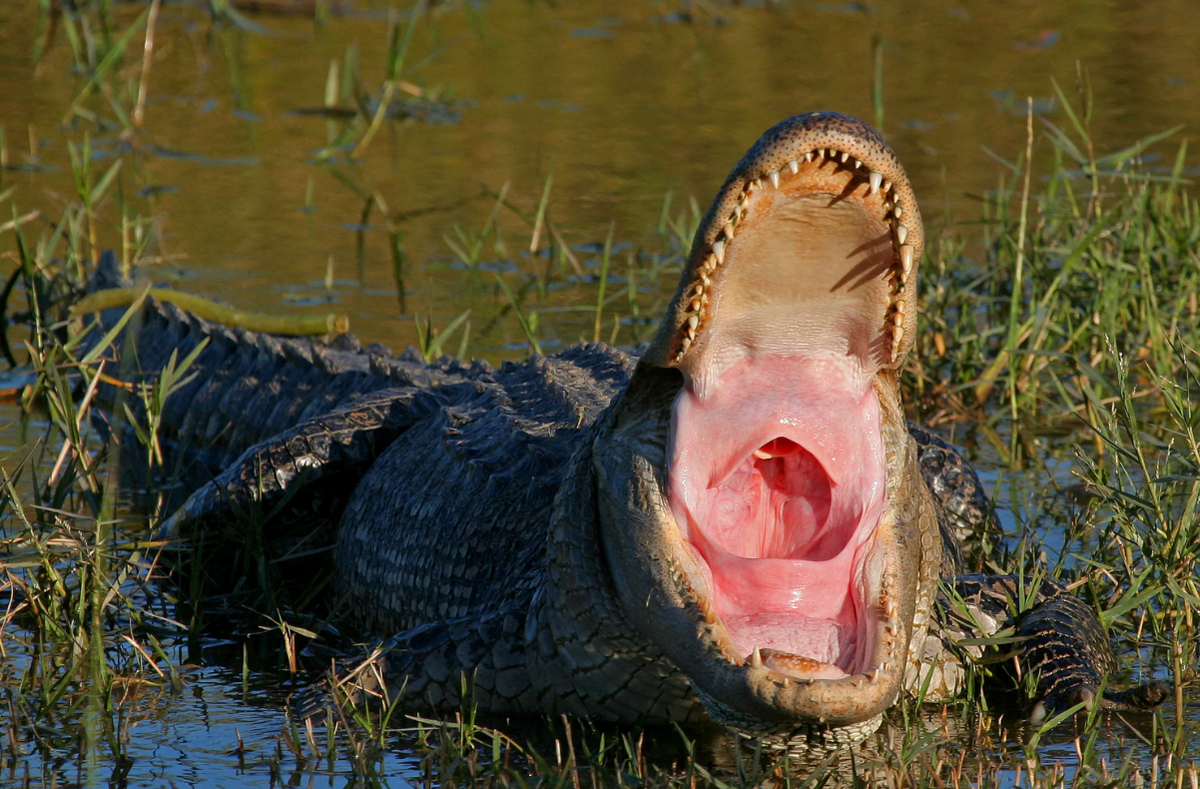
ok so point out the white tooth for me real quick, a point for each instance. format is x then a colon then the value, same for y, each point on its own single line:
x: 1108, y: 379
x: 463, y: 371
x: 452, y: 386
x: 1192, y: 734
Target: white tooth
x: 857, y: 164
x: 808, y: 156
x: 906, y: 258
x: 693, y: 321
x: 901, y: 233
x: 898, y: 211
x: 728, y: 230
x: 756, y: 659
x: 876, y: 180
x: 845, y: 156
x: 774, y: 178
x: 719, y: 251
x: 758, y: 184
x: 684, y: 344
x: 887, y: 186
x: 820, y: 153
x: 794, y: 166
x: 758, y: 453
x: 711, y: 263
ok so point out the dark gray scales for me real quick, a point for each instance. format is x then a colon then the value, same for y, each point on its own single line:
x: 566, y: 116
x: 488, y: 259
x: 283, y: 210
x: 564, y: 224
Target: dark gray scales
x: 487, y: 465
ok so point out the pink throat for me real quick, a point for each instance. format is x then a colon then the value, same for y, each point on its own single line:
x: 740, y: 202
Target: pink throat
x: 777, y: 480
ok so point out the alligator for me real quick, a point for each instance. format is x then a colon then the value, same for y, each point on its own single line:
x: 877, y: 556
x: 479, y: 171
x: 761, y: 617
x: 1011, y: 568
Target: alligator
x: 737, y: 524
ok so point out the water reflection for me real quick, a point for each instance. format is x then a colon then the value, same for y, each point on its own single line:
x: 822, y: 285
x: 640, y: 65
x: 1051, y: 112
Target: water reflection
x: 632, y: 108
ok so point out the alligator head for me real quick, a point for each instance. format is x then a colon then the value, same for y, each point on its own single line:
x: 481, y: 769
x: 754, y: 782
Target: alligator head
x: 761, y: 507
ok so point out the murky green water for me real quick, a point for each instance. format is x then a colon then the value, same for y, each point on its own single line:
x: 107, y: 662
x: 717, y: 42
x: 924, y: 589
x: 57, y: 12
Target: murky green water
x: 632, y: 105
x: 628, y: 103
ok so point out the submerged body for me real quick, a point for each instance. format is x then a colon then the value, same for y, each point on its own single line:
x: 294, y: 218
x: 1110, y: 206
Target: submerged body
x: 738, y: 525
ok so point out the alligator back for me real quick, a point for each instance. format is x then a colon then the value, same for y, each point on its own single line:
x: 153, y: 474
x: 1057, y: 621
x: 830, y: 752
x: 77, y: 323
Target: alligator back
x: 244, y: 387
x: 452, y: 518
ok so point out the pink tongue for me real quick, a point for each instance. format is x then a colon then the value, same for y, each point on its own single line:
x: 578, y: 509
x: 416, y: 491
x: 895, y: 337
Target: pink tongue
x: 780, y: 533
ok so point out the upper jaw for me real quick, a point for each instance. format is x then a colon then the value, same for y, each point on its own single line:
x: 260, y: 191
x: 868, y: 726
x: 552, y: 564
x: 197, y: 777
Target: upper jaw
x: 826, y: 144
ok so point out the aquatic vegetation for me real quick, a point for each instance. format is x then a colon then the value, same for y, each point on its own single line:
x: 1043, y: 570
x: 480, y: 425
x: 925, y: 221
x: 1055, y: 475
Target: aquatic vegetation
x: 1063, y: 322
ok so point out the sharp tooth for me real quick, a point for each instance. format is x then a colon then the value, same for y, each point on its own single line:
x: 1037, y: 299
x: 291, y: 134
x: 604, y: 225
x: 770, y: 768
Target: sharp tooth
x: 758, y: 184
x: 756, y: 659
x: 728, y: 230
x: 774, y: 176
x: 693, y: 321
x: 711, y: 262
x: 684, y: 344
x: 898, y: 211
x: 857, y: 164
x: 897, y: 336
x: 906, y: 258
x: 876, y: 180
x: 719, y: 251
x: 901, y: 233
x: 820, y: 153
x: 808, y: 156
x: 794, y: 166
x: 845, y: 156
x: 758, y: 453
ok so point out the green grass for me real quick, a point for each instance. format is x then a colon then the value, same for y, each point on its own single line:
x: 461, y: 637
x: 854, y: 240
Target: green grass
x: 1063, y: 322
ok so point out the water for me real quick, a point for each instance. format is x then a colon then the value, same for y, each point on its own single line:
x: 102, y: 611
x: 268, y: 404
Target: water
x: 629, y: 103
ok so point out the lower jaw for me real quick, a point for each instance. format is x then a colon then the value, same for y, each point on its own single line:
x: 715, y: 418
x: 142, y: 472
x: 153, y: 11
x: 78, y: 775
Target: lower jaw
x: 797, y: 645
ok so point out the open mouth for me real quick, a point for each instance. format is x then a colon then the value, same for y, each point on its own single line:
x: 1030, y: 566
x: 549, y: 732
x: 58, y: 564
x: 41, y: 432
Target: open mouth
x: 778, y: 489
x: 777, y: 472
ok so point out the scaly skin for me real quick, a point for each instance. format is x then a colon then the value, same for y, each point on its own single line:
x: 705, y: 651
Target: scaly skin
x: 514, y: 527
